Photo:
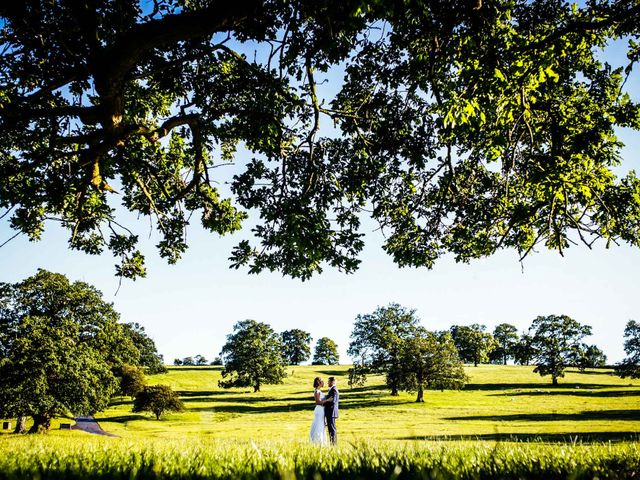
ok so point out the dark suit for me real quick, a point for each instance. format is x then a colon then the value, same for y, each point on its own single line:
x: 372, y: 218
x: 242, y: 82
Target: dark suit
x: 331, y: 413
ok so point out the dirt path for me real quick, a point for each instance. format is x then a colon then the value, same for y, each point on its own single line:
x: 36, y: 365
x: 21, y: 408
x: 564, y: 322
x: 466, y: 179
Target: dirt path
x: 89, y: 424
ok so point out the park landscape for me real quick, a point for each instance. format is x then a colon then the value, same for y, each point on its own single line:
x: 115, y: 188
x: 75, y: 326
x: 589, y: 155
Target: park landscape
x: 509, y: 421
x: 453, y: 130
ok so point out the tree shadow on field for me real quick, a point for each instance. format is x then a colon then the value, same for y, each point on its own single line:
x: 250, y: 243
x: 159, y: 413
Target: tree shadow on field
x: 120, y: 419
x: 552, y: 417
x: 538, y: 386
x: 575, y: 393
x: 196, y: 368
x: 339, y: 374
x: 244, y: 408
x: 563, y: 437
x: 593, y: 372
x: 205, y: 393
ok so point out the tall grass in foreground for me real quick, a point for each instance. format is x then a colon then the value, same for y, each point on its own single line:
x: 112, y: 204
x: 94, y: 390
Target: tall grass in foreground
x: 97, y: 458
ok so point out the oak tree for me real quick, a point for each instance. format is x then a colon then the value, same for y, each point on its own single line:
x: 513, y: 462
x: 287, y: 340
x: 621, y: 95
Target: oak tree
x: 630, y: 366
x: 430, y: 361
x: 252, y: 356
x: 60, y: 345
x: 473, y: 343
x: 326, y: 352
x: 296, y: 346
x: 377, y: 341
x: 557, y: 341
x: 460, y: 126
x: 507, y: 337
x: 157, y: 399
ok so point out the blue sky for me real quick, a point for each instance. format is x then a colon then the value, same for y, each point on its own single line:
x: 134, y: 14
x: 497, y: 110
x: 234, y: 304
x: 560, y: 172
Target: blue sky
x: 190, y: 307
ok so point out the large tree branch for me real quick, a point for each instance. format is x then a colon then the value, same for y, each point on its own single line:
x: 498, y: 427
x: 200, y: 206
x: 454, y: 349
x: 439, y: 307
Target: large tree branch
x: 129, y: 49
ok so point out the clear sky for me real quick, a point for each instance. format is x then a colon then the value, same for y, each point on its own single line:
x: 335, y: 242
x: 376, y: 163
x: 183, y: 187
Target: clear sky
x: 190, y: 307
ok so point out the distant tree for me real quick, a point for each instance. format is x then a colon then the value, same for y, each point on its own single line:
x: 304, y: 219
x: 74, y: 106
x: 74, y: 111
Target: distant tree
x: 430, y: 361
x: 131, y: 380
x: 177, y: 362
x: 630, y: 366
x: 557, y: 340
x: 473, y: 343
x: 252, y: 356
x: 377, y: 341
x: 60, y: 343
x: 216, y: 361
x: 524, y: 351
x: 188, y: 361
x: 589, y: 356
x: 296, y: 346
x: 506, y: 336
x: 200, y: 360
x: 157, y: 399
x: 150, y: 359
x: 326, y: 352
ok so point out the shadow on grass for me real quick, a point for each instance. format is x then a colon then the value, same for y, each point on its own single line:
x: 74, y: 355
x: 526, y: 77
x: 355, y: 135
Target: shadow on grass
x: 575, y: 393
x: 564, y: 437
x: 363, y: 397
x: 194, y: 367
x: 551, y: 417
x: 524, y: 386
x: 120, y: 419
x: 593, y: 372
x: 329, y: 372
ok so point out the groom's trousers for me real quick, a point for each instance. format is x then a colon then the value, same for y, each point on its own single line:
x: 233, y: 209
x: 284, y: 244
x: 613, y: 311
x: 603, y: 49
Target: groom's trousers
x: 331, y: 426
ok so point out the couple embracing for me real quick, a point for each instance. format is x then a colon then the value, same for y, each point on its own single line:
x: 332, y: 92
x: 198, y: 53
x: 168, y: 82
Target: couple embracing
x: 326, y: 409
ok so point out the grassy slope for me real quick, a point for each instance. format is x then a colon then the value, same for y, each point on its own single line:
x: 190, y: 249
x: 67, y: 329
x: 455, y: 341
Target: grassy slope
x: 500, y: 402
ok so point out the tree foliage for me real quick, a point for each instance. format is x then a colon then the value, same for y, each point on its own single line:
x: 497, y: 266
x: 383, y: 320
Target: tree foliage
x: 157, y: 399
x: 461, y: 127
x: 150, y: 359
x: 589, y: 356
x: 630, y: 366
x: 506, y: 336
x: 326, y: 352
x: 473, y: 343
x: 377, y: 342
x: 131, y: 380
x: 524, y: 352
x: 297, y: 347
x: 59, y: 346
x: 430, y: 361
x: 252, y: 356
x: 557, y: 341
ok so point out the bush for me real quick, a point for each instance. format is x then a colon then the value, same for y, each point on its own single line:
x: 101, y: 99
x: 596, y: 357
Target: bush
x: 157, y: 399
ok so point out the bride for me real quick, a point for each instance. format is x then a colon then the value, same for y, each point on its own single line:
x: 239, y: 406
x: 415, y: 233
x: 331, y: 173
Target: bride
x: 318, y: 433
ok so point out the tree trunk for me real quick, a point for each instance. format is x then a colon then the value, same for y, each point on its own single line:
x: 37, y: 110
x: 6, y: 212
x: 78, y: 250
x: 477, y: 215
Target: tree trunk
x: 554, y: 380
x: 41, y: 423
x: 420, y: 395
x: 21, y: 425
x: 504, y: 360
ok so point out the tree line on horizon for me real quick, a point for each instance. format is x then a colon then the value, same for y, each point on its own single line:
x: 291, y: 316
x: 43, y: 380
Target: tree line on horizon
x: 64, y: 351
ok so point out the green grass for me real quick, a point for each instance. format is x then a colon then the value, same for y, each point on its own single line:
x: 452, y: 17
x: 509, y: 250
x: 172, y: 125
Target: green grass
x: 507, y: 423
x: 500, y: 403
x: 103, y: 458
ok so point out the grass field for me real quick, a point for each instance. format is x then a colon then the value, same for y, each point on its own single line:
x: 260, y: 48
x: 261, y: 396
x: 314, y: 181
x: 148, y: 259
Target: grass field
x: 499, y: 403
x: 507, y: 423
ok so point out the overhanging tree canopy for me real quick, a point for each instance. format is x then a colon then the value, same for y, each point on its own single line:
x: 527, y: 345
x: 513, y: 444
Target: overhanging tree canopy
x: 460, y: 126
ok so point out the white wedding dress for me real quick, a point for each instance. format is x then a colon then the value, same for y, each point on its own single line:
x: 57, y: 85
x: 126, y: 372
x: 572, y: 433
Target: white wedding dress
x: 318, y: 433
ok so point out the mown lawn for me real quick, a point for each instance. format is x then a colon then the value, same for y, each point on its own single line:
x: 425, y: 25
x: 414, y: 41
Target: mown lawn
x: 499, y: 403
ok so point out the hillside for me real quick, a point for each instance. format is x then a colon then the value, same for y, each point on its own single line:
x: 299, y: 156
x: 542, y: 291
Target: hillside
x: 499, y: 403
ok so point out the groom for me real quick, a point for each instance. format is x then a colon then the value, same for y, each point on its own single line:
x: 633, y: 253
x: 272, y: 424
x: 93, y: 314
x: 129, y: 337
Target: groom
x: 331, y: 410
